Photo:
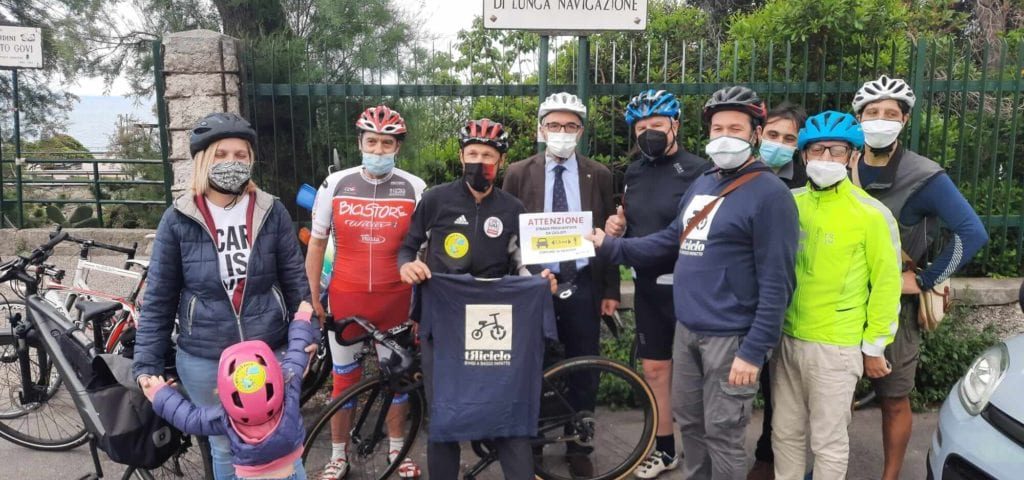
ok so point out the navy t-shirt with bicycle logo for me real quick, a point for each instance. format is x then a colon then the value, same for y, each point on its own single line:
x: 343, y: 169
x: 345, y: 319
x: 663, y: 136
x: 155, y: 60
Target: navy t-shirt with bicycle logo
x: 488, y: 338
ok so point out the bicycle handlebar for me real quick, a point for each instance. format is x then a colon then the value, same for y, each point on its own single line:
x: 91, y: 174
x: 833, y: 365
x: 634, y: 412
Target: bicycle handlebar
x: 387, y: 339
x: 55, y: 238
x: 94, y: 243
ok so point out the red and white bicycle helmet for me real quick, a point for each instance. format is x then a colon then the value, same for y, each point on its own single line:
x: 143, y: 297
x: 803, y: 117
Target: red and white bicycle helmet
x: 484, y: 131
x: 250, y: 383
x: 381, y: 119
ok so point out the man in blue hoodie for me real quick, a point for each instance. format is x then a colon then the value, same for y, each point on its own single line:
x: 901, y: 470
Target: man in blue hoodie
x: 733, y: 279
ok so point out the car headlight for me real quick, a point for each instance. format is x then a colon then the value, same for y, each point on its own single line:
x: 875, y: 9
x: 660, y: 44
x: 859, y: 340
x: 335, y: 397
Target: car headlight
x: 983, y: 378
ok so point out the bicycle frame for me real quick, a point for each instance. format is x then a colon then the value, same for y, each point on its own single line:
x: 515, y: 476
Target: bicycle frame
x: 52, y: 287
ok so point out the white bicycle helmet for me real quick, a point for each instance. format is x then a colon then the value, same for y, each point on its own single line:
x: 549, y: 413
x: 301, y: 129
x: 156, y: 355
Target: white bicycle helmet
x: 884, y: 88
x: 562, y: 102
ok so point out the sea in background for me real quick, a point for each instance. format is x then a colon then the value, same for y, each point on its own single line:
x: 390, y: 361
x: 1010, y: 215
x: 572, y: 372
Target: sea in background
x: 94, y: 118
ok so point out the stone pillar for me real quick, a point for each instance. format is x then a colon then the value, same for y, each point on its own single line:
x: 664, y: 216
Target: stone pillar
x: 202, y: 74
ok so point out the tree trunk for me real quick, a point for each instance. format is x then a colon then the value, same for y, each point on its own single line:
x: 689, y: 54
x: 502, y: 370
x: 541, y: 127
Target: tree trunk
x: 250, y: 19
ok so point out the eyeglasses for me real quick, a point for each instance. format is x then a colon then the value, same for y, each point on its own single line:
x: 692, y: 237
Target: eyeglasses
x: 554, y: 127
x: 835, y: 151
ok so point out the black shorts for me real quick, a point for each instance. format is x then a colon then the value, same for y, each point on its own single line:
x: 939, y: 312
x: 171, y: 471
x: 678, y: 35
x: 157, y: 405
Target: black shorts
x: 655, y: 319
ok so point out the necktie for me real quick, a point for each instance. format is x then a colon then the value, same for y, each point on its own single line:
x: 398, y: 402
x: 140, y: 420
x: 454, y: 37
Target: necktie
x: 560, y: 203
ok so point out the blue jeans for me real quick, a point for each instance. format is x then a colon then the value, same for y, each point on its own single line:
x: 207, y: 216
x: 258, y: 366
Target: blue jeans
x: 199, y: 377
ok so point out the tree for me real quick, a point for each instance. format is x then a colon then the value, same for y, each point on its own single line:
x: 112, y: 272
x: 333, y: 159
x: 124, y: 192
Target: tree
x: 76, y: 43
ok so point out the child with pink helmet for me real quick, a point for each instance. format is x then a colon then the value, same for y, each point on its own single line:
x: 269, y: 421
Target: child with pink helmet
x: 259, y: 409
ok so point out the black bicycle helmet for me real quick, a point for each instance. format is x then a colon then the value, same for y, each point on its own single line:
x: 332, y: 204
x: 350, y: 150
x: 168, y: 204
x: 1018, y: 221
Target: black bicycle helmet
x: 737, y: 98
x: 218, y: 126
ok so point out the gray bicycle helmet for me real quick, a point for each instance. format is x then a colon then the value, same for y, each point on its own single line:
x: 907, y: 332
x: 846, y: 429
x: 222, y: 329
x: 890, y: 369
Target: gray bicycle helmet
x: 738, y: 98
x: 218, y: 126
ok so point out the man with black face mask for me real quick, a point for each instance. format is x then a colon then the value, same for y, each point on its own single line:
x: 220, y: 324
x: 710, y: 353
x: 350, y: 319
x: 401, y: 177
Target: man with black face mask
x: 660, y: 173
x: 468, y: 227
x: 734, y: 237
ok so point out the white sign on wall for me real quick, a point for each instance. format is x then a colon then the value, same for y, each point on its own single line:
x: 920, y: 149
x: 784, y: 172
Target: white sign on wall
x: 21, y: 47
x: 566, y: 15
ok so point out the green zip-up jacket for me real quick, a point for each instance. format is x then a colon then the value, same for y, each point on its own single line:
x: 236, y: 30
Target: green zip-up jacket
x: 848, y: 270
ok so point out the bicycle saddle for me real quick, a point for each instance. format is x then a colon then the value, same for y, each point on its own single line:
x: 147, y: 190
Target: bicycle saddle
x: 94, y: 309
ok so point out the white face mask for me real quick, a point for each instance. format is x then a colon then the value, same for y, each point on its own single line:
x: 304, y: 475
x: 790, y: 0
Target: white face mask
x: 728, y: 152
x: 881, y: 133
x: 561, y: 144
x: 824, y: 174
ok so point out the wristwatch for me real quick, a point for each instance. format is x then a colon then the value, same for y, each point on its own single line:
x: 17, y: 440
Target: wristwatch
x: 920, y: 282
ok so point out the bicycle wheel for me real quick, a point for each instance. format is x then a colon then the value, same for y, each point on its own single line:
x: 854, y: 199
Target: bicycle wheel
x: 53, y: 424
x: 192, y: 461
x: 319, y: 369
x: 615, y: 436
x: 368, y: 405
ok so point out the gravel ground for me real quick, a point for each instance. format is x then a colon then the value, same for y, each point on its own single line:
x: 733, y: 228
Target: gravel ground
x: 1007, y: 319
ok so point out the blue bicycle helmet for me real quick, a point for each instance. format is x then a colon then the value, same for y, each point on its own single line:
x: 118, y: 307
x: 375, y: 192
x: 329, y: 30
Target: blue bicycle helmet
x: 652, y: 103
x: 831, y: 125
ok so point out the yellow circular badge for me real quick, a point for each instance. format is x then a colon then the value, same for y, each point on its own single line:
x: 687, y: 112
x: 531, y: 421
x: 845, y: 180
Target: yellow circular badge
x: 249, y: 377
x: 456, y: 245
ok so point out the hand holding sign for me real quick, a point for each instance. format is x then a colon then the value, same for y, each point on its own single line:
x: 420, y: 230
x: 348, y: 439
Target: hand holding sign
x: 555, y: 237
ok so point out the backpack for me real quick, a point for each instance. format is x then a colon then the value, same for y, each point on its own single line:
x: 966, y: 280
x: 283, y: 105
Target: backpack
x: 135, y: 435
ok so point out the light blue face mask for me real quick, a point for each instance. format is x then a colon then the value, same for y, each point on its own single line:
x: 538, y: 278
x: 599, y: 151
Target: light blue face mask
x: 378, y: 164
x: 776, y: 155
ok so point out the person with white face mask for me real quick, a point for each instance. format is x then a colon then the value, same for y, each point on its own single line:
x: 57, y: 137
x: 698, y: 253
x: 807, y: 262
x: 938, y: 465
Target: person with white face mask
x: 778, y: 151
x: 364, y: 279
x: 563, y: 180
x: 735, y: 242
x: 844, y: 309
x: 919, y: 194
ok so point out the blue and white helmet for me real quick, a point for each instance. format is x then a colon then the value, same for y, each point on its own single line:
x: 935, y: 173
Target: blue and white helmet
x: 831, y: 125
x: 652, y: 103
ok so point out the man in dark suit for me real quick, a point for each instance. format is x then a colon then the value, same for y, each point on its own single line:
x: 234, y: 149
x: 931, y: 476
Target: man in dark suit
x: 561, y: 180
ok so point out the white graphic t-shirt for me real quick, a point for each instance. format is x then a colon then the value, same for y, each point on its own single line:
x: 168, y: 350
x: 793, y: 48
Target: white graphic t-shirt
x: 232, y: 243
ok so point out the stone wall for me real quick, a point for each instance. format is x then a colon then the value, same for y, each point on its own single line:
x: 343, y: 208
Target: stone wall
x: 201, y: 76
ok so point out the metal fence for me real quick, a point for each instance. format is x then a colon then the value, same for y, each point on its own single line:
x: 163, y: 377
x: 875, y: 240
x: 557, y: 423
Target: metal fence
x: 966, y: 117
x: 33, y: 187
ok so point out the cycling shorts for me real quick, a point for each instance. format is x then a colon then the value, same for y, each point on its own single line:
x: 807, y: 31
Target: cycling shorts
x: 655, y: 319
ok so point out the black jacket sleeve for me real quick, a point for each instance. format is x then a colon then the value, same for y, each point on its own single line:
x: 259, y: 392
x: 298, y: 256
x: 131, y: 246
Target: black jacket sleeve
x: 417, y: 234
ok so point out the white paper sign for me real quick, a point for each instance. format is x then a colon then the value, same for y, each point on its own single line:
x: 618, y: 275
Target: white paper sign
x: 555, y: 237
x: 566, y: 15
x: 21, y: 47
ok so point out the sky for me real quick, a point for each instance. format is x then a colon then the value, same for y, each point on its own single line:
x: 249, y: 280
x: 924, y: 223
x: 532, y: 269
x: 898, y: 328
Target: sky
x: 442, y: 19
x: 93, y: 118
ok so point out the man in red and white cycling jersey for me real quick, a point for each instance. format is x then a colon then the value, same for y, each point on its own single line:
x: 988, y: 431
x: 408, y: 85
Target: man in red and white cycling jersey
x: 369, y: 209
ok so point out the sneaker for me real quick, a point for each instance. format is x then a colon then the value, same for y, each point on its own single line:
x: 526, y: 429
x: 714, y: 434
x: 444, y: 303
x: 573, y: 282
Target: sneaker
x: 407, y: 469
x: 655, y: 464
x: 335, y: 470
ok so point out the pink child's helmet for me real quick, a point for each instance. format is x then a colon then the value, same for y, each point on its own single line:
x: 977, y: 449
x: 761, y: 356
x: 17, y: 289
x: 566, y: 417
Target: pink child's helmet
x: 250, y: 383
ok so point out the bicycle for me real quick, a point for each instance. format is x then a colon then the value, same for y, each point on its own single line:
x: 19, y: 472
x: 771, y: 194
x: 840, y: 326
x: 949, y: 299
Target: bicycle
x: 46, y: 423
x: 27, y: 333
x: 617, y: 449
x: 497, y: 331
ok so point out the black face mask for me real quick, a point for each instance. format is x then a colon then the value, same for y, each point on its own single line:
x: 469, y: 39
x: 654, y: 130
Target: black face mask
x: 479, y: 176
x: 653, y: 143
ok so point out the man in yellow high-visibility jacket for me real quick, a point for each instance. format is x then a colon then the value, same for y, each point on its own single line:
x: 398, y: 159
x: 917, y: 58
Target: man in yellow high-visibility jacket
x: 845, y: 308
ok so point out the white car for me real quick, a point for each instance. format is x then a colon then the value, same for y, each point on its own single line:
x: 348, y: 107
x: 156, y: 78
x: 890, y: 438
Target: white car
x: 981, y: 424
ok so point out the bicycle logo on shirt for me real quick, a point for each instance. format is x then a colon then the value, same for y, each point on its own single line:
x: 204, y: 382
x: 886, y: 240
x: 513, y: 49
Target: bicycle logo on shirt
x: 498, y: 332
x: 488, y: 335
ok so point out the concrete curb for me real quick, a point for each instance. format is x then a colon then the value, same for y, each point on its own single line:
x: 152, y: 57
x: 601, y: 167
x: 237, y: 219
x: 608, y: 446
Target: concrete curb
x: 13, y: 241
x: 971, y: 291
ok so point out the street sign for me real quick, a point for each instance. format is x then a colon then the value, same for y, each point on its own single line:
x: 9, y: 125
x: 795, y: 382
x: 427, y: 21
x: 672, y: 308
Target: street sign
x: 21, y: 47
x: 565, y: 16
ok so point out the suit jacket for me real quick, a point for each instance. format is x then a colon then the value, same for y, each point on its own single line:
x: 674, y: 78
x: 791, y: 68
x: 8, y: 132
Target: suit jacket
x: 525, y: 180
